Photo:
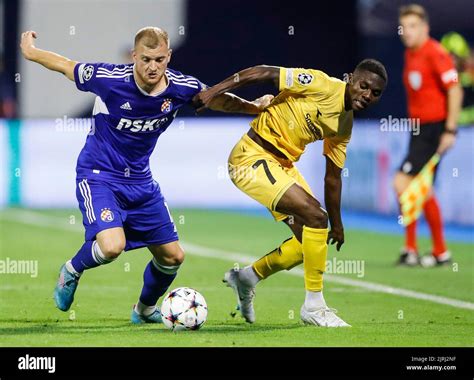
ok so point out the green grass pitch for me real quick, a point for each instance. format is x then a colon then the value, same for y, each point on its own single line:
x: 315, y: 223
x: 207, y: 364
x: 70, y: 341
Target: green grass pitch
x: 101, y: 311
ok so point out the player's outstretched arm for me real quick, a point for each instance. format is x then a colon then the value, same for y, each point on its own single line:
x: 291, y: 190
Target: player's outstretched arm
x: 48, y: 59
x: 232, y: 103
x: 251, y: 75
x: 332, y: 198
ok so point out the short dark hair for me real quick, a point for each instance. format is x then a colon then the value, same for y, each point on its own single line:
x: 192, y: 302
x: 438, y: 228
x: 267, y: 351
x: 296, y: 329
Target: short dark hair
x: 374, y: 66
x: 413, y: 9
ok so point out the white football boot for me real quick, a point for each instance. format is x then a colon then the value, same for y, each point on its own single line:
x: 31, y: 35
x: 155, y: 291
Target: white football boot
x: 430, y: 261
x: 324, y: 317
x: 245, y: 294
x: 408, y: 258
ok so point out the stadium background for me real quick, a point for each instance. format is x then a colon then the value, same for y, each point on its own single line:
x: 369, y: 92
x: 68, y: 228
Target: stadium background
x: 40, y: 143
x: 44, y: 123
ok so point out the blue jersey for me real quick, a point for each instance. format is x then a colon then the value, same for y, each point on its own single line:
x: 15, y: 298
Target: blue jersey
x: 127, y: 121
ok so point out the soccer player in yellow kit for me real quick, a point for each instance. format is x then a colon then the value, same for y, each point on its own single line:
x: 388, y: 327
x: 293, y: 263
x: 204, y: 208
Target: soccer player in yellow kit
x: 310, y: 106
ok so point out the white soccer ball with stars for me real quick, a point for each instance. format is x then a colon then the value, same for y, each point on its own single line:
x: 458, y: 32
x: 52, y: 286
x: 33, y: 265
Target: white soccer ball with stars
x: 184, y: 309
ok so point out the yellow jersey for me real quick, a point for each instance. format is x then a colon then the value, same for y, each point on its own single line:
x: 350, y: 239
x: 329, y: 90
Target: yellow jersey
x: 309, y: 107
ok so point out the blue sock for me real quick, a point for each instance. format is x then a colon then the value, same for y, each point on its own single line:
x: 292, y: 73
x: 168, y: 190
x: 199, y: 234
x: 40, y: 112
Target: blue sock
x: 156, y: 280
x: 89, y: 256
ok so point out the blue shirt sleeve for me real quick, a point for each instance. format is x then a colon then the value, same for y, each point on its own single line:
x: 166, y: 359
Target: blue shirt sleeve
x: 200, y: 86
x: 95, y: 77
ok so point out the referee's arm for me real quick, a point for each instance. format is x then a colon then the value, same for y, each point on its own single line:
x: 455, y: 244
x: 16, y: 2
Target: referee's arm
x: 455, y: 97
x: 454, y: 103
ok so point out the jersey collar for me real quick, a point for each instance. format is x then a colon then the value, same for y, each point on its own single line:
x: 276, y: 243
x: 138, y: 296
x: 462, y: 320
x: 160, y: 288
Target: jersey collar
x: 146, y: 93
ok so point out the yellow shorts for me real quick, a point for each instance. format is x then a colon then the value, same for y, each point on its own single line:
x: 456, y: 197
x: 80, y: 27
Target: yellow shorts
x: 262, y: 175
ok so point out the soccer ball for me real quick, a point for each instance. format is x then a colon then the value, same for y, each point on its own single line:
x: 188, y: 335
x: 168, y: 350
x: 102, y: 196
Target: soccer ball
x: 184, y: 309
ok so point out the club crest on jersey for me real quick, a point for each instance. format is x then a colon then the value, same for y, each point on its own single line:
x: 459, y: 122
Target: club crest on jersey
x: 167, y: 106
x: 305, y: 78
x: 106, y: 215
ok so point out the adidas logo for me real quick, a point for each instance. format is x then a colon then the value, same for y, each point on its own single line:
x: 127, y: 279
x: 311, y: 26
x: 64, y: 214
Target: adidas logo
x: 126, y: 106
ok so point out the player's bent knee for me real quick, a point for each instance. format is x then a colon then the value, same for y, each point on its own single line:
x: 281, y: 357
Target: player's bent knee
x: 314, y: 215
x: 174, y: 259
x: 112, y: 249
x: 319, y: 219
x: 178, y: 258
x: 169, y: 265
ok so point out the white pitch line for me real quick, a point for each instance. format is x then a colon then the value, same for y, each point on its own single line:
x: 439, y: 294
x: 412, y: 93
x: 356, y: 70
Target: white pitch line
x: 37, y: 219
x: 371, y: 286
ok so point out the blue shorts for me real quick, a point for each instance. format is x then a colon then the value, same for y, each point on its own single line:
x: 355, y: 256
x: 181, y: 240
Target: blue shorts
x: 140, y: 209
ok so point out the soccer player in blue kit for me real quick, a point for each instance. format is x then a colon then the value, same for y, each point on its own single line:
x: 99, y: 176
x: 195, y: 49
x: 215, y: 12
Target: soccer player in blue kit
x: 121, y: 204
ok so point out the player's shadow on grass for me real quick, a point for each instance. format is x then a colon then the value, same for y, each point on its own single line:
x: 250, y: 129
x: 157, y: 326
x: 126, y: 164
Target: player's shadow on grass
x: 119, y: 325
x: 61, y: 326
x: 243, y: 327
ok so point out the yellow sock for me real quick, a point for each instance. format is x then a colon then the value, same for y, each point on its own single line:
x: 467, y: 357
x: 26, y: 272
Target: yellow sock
x: 315, y: 251
x: 286, y: 256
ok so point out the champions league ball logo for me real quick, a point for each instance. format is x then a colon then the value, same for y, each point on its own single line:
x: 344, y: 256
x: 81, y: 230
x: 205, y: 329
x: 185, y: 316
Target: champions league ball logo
x: 106, y: 215
x: 305, y: 78
x: 87, y: 73
x: 167, y: 106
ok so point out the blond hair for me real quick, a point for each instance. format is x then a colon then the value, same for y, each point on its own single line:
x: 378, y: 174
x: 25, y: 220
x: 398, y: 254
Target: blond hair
x: 151, y: 37
x: 413, y: 9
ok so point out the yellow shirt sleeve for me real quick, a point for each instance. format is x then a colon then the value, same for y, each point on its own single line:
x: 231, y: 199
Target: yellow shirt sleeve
x: 303, y: 81
x: 335, y: 148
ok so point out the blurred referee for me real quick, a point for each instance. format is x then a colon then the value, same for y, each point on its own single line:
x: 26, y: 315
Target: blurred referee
x: 434, y: 98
